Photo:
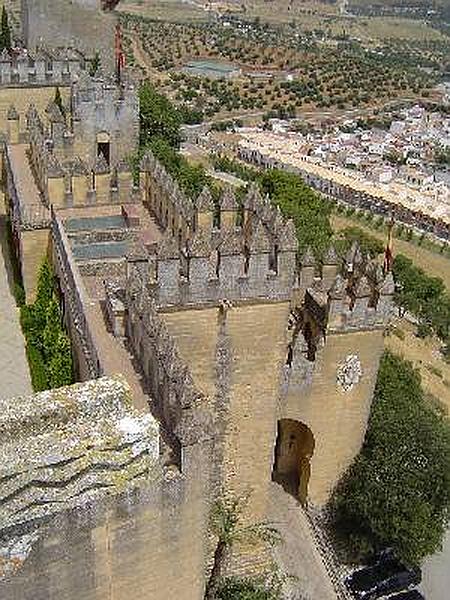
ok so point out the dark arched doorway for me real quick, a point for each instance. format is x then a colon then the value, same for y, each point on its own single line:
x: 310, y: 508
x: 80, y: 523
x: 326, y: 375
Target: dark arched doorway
x: 293, y: 452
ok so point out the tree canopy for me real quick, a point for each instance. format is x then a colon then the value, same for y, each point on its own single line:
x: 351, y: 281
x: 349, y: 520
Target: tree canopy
x: 5, y: 31
x: 300, y: 203
x: 397, y: 491
x: 48, y: 346
x: 190, y: 178
x: 159, y: 117
x: 423, y: 296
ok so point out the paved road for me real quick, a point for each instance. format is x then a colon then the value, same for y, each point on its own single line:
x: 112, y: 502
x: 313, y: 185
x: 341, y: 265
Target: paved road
x: 14, y: 373
x: 436, y: 574
x: 297, y: 555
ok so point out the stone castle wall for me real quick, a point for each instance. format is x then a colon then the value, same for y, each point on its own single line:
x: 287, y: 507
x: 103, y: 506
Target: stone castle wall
x: 62, y: 23
x: 148, y: 544
x: 336, y: 418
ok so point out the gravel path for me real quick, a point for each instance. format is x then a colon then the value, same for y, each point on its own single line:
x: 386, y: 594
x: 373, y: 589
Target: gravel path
x: 14, y: 374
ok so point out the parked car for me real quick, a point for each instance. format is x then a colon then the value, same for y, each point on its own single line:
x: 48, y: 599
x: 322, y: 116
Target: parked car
x: 386, y: 577
x: 409, y: 595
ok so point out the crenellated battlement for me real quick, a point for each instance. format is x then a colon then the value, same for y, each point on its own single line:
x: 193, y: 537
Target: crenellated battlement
x: 358, y: 298
x: 39, y: 68
x: 184, y: 409
x: 73, y: 166
x: 214, y: 249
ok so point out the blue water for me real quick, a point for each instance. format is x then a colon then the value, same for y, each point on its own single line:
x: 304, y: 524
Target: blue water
x: 208, y: 68
x: 91, y: 223
x: 98, y: 251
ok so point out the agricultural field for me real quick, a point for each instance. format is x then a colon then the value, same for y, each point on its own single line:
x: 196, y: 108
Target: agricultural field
x: 280, y: 70
x: 426, y: 356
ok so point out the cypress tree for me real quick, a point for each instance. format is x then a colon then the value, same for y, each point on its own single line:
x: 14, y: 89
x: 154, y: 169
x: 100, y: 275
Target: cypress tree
x: 5, y: 33
x: 59, y: 102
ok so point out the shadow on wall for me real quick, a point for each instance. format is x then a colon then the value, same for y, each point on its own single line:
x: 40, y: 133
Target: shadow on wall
x: 292, y: 463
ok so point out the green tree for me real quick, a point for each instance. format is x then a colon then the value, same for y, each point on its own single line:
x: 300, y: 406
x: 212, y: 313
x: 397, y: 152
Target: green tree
x: 48, y: 347
x: 397, y: 491
x: 423, y: 296
x: 299, y: 202
x: 38, y: 371
x: 5, y: 32
x: 248, y: 589
x: 159, y: 118
x: 60, y: 367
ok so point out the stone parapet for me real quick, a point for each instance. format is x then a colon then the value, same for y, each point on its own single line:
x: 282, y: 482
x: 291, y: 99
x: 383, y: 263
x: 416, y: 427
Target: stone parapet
x: 75, y: 296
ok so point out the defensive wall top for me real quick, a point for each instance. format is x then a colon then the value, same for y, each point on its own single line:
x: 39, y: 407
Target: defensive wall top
x: 64, y: 447
x: 21, y: 67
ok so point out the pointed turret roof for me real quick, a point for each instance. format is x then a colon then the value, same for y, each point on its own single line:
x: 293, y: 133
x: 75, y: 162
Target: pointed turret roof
x: 205, y: 202
x: 228, y: 200
x: 54, y: 168
x: 101, y: 166
x: 78, y: 167
x: 388, y: 287
x: 339, y: 288
x: 252, y: 197
x: 200, y: 244
x: 308, y: 259
x: 331, y: 257
x: 168, y: 248
x: 260, y: 241
x: 288, y: 237
x: 54, y: 112
x: 363, y: 288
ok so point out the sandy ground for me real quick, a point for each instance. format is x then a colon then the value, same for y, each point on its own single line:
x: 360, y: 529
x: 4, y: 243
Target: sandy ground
x: 425, y: 355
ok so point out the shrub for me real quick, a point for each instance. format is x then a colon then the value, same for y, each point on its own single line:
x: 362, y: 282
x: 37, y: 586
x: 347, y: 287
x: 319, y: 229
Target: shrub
x: 19, y: 294
x: 397, y: 491
x: 37, y: 368
x: 247, y: 589
x: 48, y: 347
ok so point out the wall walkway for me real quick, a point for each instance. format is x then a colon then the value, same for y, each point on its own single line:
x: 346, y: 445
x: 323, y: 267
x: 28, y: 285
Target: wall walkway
x: 14, y: 374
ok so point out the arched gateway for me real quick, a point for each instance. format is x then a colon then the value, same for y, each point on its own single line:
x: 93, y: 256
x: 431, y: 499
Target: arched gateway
x: 293, y: 452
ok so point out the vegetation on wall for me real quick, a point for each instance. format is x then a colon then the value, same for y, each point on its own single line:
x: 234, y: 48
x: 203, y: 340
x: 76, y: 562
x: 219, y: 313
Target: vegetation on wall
x: 48, y: 346
x: 227, y: 527
x: 397, y: 491
x: 248, y: 589
x: 190, y: 178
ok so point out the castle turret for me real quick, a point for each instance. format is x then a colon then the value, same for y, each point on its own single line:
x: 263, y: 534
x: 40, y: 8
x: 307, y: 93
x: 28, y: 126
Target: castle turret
x: 337, y: 303
x: 57, y: 122
x: 385, y: 303
x: 102, y: 179
x: 80, y: 183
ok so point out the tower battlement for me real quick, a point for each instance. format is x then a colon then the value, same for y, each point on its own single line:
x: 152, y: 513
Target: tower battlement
x: 40, y: 68
x: 241, y: 250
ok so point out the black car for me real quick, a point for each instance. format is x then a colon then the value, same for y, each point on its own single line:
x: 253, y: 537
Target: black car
x: 385, y: 577
x: 410, y: 595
